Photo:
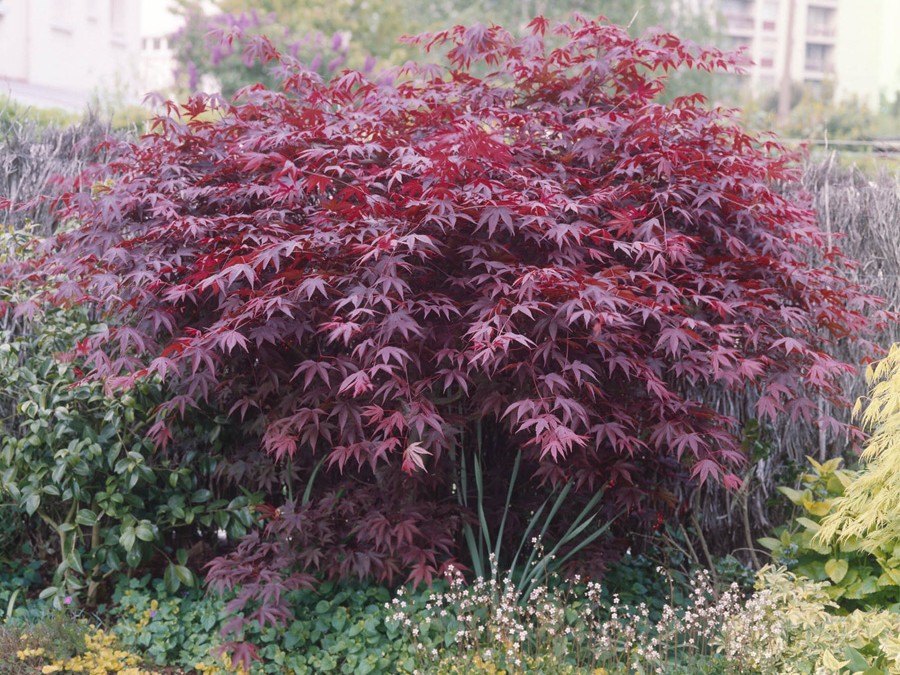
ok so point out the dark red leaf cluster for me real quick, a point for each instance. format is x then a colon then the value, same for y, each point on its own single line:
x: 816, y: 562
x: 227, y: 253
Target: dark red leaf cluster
x: 366, y: 268
x: 352, y: 532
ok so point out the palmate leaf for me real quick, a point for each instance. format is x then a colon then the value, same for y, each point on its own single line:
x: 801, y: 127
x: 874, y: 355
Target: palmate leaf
x: 542, y: 254
x: 425, y: 231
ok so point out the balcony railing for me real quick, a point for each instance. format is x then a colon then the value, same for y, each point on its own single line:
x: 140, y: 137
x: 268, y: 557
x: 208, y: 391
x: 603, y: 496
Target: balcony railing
x: 819, y: 66
x: 735, y: 23
x: 821, y: 32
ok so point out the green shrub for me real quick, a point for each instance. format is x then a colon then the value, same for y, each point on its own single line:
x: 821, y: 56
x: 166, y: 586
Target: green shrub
x: 85, y: 490
x: 339, y: 629
x: 342, y: 629
x: 853, y: 577
x: 168, y: 629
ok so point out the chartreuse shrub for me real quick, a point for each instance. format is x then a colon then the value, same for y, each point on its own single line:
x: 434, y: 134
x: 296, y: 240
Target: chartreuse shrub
x: 791, y: 626
x: 522, y: 247
x: 848, y: 534
x: 867, y: 514
x: 855, y: 576
x: 40, y: 636
x: 101, y: 656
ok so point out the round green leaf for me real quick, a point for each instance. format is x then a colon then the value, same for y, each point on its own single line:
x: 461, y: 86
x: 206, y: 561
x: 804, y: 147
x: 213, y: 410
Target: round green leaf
x: 836, y: 570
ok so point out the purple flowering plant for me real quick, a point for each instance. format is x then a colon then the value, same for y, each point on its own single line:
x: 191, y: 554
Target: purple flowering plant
x: 209, y: 51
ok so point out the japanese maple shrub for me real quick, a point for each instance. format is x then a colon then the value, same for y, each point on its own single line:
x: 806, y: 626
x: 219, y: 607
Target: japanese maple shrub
x: 521, y: 245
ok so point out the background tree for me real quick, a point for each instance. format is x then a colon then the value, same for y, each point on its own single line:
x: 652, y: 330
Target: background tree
x: 208, y: 51
x: 370, y: 32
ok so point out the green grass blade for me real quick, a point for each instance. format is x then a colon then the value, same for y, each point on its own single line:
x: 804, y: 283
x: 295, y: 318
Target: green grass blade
x: 307, y: 493
x: 534, y: 571
x: 479, y: 496
x: 11, y: 605
x: 512, y: 483
x: 474, y: 552
x: 463, y: 494
x: 528, y: 530
x: 560, y: 498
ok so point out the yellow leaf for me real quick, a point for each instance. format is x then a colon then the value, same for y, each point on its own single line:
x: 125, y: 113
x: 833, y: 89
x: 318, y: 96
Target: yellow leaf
x: 810, y: 525
x: 831, y: 465
x: 816, y: 465
x: 796, y: 496
x: 831, y: 662
x: 894, y: 575
x: 817, y: 508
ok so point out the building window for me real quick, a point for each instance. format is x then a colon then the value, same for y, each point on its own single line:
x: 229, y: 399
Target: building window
x: 769, y: 15
x: 739, y: 15
x: 819, y: 58
x: 61, y: 15
x: 767, y: 48
x: 738, y: 7
x: 820, y: 22
x: 118, y: 17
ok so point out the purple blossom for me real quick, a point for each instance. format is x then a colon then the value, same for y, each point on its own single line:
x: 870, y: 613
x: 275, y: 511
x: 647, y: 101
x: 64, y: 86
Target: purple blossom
x: 193, y: 76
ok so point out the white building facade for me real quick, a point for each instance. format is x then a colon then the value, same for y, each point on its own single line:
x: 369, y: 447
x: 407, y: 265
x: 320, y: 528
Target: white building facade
x: 848, y: 45
x: 63, y: 53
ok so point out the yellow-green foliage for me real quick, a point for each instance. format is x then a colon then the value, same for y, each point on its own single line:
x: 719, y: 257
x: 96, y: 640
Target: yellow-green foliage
x: 856, y: 578
x: 10, y: 111
x: 101, y: 656
x: 789, y: 628
x: 869, y: 509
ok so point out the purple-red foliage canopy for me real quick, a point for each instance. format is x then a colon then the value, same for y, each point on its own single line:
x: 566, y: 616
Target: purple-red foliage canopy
x: 364, y: 268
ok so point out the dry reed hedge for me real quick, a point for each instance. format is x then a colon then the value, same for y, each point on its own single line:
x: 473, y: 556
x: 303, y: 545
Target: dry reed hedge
x: 863, y: 214
x: 35, y: 160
